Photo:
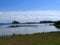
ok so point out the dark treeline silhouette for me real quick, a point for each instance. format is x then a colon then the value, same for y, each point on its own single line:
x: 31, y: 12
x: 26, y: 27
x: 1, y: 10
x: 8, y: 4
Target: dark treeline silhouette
x: 32, y: 23
x: 47, y: 21
x: 57, y: 23
x: 17, y: 22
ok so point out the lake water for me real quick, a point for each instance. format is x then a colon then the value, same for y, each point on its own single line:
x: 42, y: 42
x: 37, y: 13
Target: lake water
x: 26, y: 29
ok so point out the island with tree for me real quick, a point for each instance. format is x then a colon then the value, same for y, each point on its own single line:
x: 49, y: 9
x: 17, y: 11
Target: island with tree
x: 15, y: 22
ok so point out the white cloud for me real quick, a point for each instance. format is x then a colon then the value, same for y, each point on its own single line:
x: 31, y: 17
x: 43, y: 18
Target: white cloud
x: 30, y: 15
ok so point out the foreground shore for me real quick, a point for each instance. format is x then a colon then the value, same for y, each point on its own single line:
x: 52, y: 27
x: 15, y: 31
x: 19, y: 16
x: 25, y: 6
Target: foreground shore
x: 52, y: 38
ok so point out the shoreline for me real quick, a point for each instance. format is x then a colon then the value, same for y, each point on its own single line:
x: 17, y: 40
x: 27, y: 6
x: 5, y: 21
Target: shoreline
x: 51, y: 38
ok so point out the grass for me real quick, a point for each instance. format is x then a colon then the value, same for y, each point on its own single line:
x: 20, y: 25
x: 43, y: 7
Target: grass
x: 52, y: 38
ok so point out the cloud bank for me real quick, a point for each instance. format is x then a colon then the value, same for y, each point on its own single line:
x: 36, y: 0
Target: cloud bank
x: 25, y: 16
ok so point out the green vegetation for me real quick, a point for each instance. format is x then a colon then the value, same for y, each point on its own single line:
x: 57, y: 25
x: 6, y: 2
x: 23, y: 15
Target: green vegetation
x: 32, y: 23
x: 15, y: 22
x: 57, y: 23
x: 47, y: 21
x: 52, y: 38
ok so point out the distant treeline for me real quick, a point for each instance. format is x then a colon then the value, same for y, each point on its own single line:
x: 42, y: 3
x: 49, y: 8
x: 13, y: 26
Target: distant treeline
x: 47, y: 21
x: 17, y: 22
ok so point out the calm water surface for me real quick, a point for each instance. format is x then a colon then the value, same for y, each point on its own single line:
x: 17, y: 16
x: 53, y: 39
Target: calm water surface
x: 26, y: 29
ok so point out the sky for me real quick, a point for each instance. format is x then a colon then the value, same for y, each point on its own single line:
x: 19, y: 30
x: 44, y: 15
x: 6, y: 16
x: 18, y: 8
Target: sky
x: 29, y: 10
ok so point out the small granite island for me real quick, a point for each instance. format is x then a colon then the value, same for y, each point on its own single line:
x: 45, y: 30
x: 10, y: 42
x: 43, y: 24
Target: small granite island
x: 15, y: 24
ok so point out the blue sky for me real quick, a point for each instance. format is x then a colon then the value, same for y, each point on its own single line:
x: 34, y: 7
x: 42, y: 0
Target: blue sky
x: 23, y: 5
x: 29, y: 10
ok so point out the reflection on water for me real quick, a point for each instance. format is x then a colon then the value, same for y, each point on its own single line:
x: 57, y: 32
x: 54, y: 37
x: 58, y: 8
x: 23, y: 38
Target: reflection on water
x: 26, y: 29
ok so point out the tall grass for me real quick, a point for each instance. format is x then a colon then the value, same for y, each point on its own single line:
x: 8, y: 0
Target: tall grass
x: 52, y: 38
